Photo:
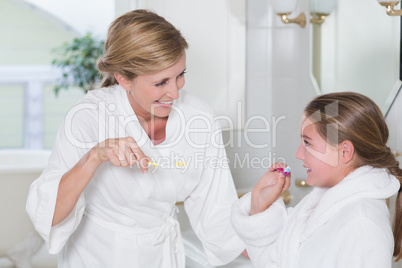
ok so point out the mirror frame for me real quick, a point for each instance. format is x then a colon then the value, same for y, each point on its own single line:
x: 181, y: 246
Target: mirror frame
x: 392, y: 92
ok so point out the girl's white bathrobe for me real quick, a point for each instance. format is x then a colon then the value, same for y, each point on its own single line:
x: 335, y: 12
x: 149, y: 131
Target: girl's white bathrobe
x: 344, y: 226
x: 125, y: 218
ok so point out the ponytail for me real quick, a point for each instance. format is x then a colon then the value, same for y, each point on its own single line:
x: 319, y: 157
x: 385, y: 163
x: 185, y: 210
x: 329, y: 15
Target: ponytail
x: 108, y: 76
x: 397, y: 228
x: 397, y: 225
x: 109, y: 80
x: 388, y: 160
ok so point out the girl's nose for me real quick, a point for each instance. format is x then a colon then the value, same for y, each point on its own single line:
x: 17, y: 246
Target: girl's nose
x: 300, y: 152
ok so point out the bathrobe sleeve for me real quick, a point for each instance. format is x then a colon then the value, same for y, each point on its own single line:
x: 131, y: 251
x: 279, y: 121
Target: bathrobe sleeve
x: 208, y: 207
x: 74, y: 138
x: 259, y: 231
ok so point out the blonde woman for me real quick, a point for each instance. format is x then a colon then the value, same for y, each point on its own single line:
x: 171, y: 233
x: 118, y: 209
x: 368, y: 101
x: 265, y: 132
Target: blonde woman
x: 127, y: 153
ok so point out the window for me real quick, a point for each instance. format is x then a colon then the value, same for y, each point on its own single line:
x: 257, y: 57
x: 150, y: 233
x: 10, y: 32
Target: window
x: 11, y: 116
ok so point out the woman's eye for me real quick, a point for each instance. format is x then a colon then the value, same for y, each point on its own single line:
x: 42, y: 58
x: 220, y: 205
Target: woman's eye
x: 182, y: 74
x: 161, y: 83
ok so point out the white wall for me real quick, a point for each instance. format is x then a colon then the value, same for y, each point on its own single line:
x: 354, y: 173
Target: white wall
x: 216, y: 33
x: 278, y: 80
x: 278, y: 88
x: 395, y: 126
x: 82, y: 16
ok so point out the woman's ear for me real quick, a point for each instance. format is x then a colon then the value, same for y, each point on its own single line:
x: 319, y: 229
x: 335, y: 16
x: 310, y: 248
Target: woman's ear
x: 347, y: 150
x: 122, y: 81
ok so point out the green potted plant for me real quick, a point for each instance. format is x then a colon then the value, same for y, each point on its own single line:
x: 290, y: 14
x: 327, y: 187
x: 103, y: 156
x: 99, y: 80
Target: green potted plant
x: 77, y: 60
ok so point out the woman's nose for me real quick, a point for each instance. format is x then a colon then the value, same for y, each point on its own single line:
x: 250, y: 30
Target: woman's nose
x: 173, y: 90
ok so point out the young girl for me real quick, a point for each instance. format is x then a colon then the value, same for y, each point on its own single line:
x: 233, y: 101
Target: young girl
x: 344, y: 221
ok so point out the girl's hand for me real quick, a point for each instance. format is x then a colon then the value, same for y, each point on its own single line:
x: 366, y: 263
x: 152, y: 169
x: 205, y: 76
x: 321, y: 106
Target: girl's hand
x: 269, y: 188
x: 122, y: 152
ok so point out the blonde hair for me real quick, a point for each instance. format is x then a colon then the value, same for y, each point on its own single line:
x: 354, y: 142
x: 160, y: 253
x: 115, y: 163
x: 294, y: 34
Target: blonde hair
x: 139, y: 42
x: 355, y: 117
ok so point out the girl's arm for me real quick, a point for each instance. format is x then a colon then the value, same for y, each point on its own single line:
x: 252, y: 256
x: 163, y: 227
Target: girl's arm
x: 260, y: 231
x: 258, y: 216
x: 269, y: 188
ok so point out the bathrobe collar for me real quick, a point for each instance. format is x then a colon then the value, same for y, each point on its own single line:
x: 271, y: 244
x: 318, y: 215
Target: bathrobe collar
x: 322, y: 204
x: 364, y: 182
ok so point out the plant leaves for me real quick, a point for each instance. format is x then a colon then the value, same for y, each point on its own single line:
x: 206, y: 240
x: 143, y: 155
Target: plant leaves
x: 77, y: 59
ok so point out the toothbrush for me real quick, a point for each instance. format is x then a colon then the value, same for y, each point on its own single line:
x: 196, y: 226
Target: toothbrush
x: 285, y: 171
x: 178, y: 164
x: 152, y: 164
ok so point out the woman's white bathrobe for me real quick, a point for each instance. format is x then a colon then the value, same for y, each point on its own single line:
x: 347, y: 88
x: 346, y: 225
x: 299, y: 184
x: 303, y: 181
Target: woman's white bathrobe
x: 346, y: 226
x: 125, y: 218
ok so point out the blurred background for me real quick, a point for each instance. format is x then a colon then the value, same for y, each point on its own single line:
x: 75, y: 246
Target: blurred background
x: 255, y: 69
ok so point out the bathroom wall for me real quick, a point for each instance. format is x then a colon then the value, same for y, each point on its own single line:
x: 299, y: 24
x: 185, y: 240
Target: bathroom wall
x: 216, y: 54
x: 278, y: 87
x: 395, y: 126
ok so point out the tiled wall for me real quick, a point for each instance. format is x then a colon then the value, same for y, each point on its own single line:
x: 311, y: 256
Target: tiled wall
x: 278, y: 88
x: 395, y: 126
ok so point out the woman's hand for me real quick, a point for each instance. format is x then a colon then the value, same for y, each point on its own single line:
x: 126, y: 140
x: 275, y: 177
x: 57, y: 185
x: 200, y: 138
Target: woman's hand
x: 122, y: 152
x: 269, y: 188
x: 245, y: 254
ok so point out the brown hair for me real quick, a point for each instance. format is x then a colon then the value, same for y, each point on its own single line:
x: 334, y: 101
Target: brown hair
x: 139, y: 42
x: 352, y: 116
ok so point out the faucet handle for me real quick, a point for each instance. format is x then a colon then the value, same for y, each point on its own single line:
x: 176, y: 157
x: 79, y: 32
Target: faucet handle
x: 301, y: 183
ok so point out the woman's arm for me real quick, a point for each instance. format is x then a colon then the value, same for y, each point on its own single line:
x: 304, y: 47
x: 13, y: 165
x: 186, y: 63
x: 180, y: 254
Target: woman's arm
x: 121, y: 152
x: 73, y: 183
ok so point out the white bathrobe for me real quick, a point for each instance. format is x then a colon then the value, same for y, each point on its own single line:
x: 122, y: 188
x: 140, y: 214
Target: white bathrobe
x: 125, y: 218
x: 344, y: 226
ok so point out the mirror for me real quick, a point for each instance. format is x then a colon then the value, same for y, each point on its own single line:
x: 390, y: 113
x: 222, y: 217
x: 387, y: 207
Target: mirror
x: 357, y: 48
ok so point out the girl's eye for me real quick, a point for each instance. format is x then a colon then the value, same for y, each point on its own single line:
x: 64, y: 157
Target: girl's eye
x: 182, y: 74
x: 306, y: 143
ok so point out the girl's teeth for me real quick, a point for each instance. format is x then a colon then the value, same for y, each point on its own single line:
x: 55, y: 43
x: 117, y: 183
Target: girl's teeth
x: 166, y: 102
